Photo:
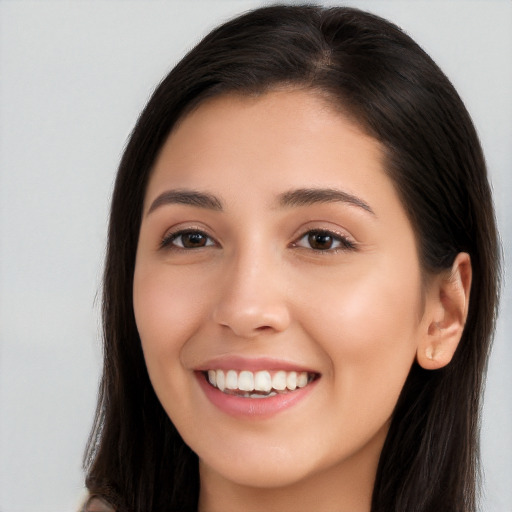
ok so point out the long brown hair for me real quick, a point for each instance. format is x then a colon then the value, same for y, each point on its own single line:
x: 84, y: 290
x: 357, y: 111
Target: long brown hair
x: 387, y: 84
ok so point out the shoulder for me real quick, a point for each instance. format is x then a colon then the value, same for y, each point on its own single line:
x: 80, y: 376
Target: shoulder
x: 96, y: 504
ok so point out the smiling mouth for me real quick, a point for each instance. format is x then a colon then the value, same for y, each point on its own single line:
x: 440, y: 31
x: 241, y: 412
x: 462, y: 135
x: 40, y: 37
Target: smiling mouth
x: 260, y: 384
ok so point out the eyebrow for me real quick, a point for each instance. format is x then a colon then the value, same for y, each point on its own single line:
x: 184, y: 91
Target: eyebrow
x: 188, y: 197
x: 310, y: 196
x: 292, y: 198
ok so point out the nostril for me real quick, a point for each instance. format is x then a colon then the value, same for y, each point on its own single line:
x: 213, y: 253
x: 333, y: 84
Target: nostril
x: 254, y: 320
x: 264, y: 328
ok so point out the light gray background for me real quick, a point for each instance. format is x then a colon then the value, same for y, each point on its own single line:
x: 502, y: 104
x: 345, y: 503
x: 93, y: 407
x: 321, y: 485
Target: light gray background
x: 73, y: 78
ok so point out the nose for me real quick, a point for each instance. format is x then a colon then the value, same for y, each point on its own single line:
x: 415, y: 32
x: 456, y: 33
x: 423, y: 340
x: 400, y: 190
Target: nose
x: 253, y: 298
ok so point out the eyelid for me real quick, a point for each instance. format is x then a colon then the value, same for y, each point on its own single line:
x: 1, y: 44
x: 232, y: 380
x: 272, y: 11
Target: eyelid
x: 347, y: 242
x: 173, y: 234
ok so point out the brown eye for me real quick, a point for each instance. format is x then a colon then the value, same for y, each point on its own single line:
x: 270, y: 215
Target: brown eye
x: 193, y: 240
x: 318, y: 240
x: 188, y: 240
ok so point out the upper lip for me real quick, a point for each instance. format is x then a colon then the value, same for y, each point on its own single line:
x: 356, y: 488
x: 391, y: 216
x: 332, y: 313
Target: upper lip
x: 252, y: 364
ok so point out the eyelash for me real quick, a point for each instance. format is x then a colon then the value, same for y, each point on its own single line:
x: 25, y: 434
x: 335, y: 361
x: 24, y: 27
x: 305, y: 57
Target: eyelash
x: 167, y: 241
x: 344, y: 243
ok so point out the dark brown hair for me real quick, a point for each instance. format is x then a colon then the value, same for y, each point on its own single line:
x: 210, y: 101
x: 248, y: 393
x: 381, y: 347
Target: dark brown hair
x: 384, y: 81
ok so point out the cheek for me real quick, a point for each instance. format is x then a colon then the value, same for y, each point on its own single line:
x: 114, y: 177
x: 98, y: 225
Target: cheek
x: 369, y: 327
x: 367, y: 306
x: 166, y: 309
x: 168, y: 312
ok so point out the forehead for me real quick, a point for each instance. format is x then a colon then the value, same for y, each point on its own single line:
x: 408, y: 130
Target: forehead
x: 287, y: 110
x: 286, y: 135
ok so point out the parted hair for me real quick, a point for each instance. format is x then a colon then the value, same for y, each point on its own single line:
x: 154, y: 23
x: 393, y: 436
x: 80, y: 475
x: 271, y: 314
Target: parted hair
x: 377, y: 75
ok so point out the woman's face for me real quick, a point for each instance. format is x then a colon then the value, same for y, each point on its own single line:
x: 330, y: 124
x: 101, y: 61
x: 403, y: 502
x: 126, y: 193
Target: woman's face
x: 276, y: 259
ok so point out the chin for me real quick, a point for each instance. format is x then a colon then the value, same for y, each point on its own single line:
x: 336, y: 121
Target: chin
x: 268, y: 475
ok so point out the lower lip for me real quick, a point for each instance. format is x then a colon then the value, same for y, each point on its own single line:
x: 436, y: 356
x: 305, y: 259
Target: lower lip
x: 253, y: 407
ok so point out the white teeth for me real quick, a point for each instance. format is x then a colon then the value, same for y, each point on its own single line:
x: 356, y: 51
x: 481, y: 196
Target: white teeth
x: 302, y: 379
x: 262, y: 381
x: 231, y: 380
x: 291, y: 380
x: 221, y: 382
x: 254, y: 384
x: 246, y: 381
x: 279, y: 381
x: 256, y: 395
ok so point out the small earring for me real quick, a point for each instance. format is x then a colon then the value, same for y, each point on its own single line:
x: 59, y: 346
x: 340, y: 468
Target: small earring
x: 429, y: 352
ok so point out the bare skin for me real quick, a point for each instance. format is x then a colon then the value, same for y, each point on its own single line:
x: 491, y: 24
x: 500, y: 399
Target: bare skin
x: 271, y: 232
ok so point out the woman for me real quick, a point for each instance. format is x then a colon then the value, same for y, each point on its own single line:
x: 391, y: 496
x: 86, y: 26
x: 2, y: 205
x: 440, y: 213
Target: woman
x: 301, y: 279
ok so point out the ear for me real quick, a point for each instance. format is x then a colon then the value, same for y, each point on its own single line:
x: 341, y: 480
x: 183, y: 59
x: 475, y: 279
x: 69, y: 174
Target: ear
x: 446, y: 311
